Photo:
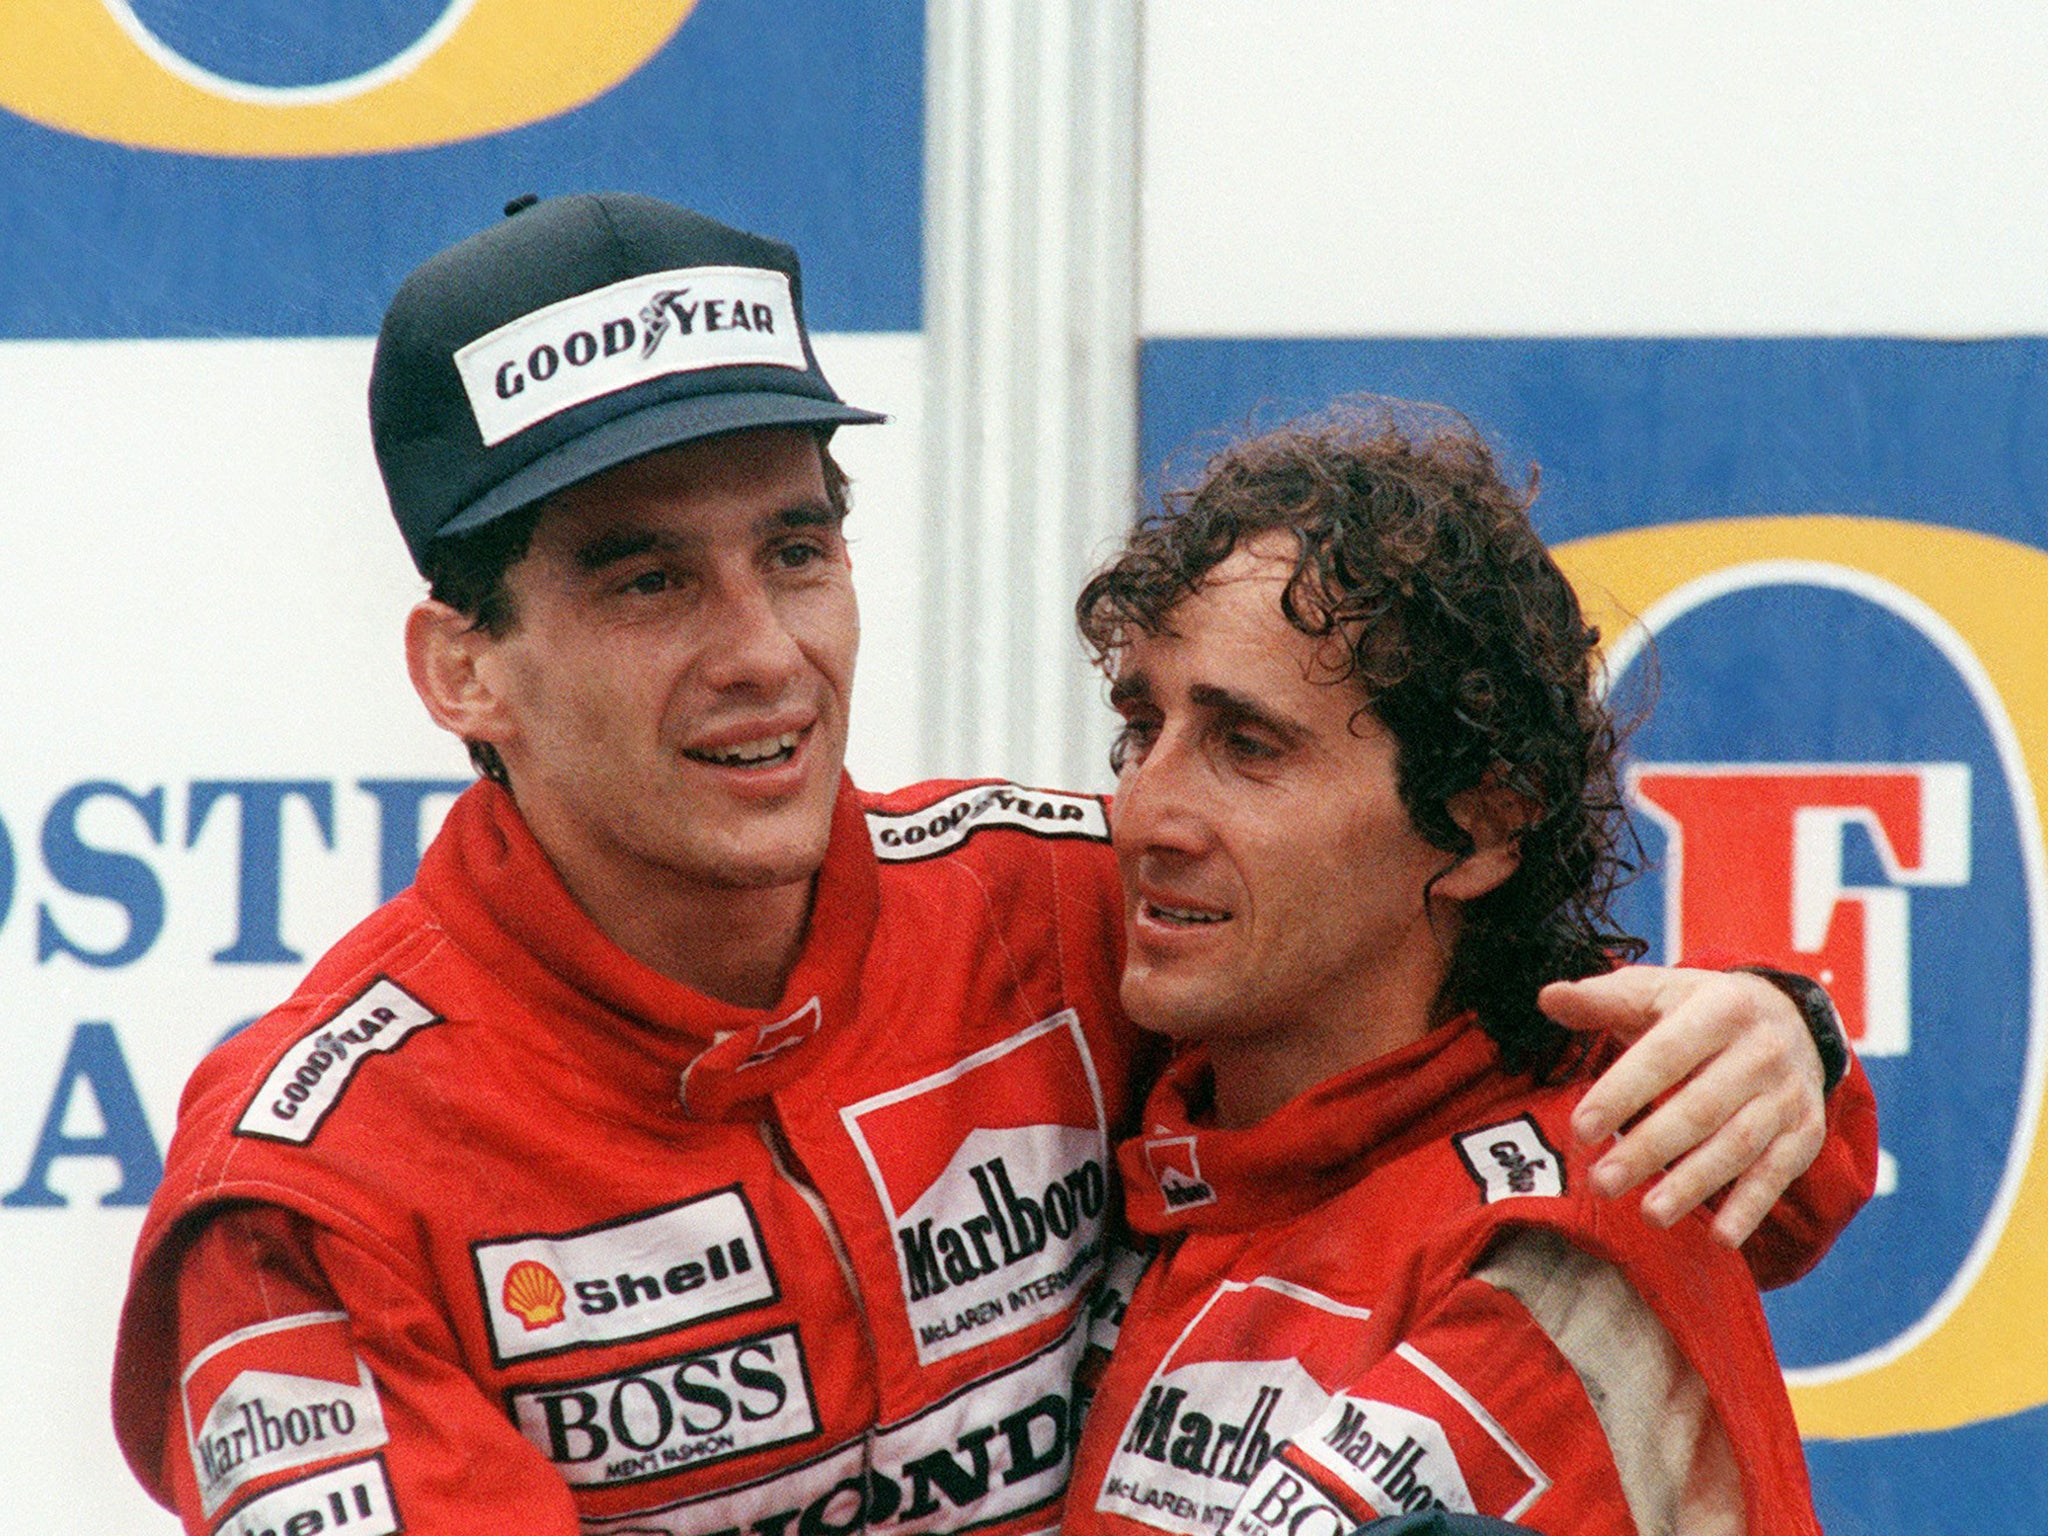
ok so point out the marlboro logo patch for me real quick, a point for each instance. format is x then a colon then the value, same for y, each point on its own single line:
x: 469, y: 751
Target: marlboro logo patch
x: 1256, y: 1366
x: 1417, y: 1440
x: 274, y: 1397
x: 994, y: 1174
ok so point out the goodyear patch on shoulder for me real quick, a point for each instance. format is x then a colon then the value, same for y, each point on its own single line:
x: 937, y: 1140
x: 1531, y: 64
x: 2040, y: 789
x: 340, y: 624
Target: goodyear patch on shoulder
x: 309, y: 1080
x: 902, y: 836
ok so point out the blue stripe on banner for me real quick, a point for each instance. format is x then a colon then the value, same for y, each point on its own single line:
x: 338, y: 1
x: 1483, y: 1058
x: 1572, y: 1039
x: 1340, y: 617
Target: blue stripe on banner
x: 804, y: 121
x: 1635, y: 432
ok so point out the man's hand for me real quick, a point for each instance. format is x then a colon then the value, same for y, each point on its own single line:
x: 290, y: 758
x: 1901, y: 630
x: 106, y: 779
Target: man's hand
x: 1748, y: 1114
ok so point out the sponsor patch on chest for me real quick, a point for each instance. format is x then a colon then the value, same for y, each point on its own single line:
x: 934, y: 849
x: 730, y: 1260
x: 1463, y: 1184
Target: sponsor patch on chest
x: 1511, y: 1159
x: 996, y: 1450
x: 994, y: 1177
x: 900, y: 836
x: 275, y: 1396
x: 626, y: 1279
x: 310, y: 1079
x: 1421, y: 1441
x: 671, y: 1415
x: 1259, y: 1362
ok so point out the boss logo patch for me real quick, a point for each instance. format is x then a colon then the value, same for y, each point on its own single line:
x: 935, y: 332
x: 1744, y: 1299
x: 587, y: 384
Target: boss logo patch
x: 996, y: 1450
x: 1511, y: 1159
x: 669, y: 1415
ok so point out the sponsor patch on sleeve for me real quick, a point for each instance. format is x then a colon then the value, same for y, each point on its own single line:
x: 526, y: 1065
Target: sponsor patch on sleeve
x: 274, y: 1397
x: 1511, y: 1159
x: 354, y: 1499
x: 306, y: 1085
x: 1414, y: 1440
x: 901, y: 836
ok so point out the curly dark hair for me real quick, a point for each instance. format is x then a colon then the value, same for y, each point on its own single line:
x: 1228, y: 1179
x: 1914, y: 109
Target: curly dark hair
x: 1469, y: 646
x: 467, y: 572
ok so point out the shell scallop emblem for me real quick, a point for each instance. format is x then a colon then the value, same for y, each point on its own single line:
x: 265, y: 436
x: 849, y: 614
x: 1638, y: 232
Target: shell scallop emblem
x: 534, y: 1295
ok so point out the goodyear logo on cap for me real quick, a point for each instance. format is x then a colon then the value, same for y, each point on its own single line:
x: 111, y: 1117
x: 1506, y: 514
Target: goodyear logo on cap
x: 648, y: 327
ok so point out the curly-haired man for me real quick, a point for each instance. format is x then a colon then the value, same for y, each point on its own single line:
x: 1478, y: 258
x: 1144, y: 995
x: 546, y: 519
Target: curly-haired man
x: 1366, y: 812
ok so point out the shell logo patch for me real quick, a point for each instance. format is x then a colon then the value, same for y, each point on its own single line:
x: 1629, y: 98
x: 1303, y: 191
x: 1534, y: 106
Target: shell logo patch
x: 533, y: 1293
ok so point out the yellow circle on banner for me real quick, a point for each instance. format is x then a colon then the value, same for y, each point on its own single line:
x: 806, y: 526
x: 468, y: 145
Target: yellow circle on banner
x: 89, y: 67
x: 1973, y: 1363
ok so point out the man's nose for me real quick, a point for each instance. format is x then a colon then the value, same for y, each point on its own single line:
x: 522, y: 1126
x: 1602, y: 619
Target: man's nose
x: 749, y: 643
x: 1159, y: 800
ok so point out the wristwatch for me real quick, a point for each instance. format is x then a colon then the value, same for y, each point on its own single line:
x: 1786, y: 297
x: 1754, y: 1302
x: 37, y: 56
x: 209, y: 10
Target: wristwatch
x: 1823, y: 1023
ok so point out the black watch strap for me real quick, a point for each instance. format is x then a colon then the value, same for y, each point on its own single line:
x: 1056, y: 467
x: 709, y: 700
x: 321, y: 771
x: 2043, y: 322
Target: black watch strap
x: 1822, y: 1022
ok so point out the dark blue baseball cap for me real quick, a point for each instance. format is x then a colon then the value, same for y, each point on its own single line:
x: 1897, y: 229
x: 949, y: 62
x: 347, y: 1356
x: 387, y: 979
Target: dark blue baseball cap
x: 578, y: 334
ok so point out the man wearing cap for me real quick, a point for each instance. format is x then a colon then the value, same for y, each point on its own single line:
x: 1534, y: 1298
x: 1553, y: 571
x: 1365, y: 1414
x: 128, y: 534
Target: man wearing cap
x: 700, y: 1144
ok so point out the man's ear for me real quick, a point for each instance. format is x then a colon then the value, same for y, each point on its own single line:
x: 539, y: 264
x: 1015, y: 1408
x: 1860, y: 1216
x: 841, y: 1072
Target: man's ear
x: 449, y: 659
x: 1494, y: 817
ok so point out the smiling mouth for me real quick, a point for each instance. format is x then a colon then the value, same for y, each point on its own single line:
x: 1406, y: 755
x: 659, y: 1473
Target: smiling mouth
x: 765, y: 752
x: 1185, y: 916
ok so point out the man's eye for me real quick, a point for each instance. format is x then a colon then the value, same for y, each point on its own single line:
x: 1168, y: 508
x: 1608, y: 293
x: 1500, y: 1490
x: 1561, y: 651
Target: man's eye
x: 647, y: 583
x: 1131, y: 744
x: 794, y: 557
x: 1243, y: 744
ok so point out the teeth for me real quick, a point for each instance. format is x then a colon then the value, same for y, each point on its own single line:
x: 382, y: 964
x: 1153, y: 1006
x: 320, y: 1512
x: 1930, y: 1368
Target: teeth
x: 1185, y: 914
x: 752, y: 751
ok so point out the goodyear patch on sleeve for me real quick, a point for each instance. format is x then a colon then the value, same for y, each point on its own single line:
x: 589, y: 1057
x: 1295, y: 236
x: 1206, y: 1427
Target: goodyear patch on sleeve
x: 309, y: 1080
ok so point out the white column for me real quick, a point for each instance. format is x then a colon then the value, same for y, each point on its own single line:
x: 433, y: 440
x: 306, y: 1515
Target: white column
x: 1031, y: 186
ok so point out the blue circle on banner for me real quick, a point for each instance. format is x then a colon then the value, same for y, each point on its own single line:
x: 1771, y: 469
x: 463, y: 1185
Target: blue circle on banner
x: 1788, y: 676
x: 284, y: 43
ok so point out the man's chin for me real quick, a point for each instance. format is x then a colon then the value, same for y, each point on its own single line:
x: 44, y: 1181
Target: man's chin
x: 1176, y: 1010
x: 765, y: 869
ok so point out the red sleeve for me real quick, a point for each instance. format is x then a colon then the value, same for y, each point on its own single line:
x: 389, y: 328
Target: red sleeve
x: 313, y: 1383
x: 1474, y: 1411
x: 1811, y: 1214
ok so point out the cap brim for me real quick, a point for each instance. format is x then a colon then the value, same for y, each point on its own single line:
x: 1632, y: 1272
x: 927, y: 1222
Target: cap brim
x: 666, y: 425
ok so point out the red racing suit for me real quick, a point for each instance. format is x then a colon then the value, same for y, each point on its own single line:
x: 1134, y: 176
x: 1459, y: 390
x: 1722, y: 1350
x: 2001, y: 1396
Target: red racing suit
x: 1398, y: 1293
x: 492, y: 1229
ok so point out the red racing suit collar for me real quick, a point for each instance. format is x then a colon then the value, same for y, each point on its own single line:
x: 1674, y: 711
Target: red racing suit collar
x: 1186, y: 1175
x: 494, y: 892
